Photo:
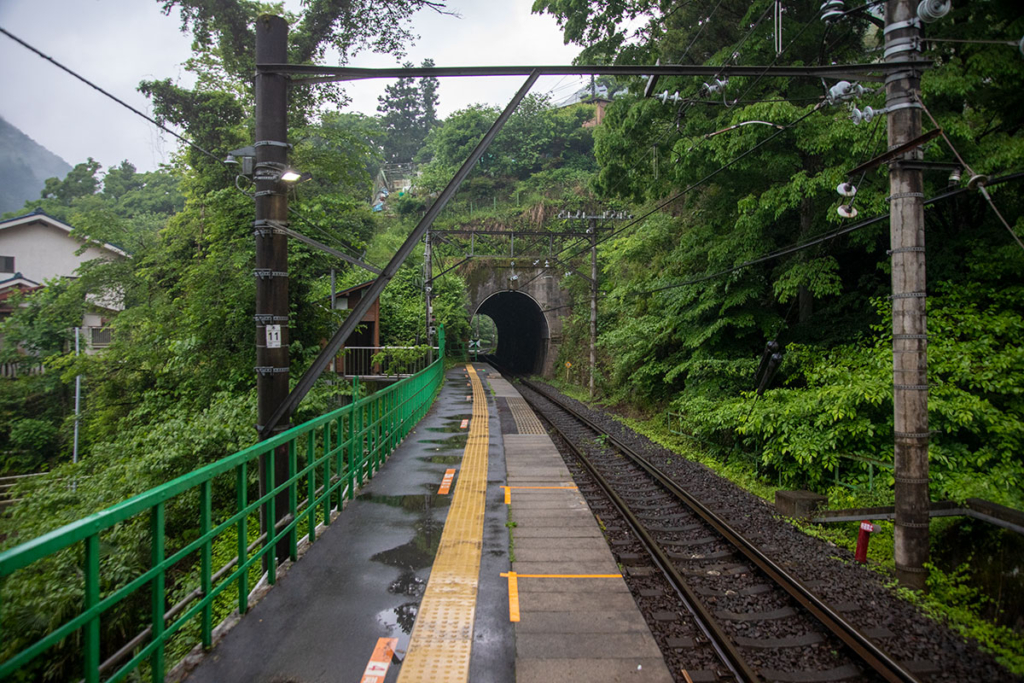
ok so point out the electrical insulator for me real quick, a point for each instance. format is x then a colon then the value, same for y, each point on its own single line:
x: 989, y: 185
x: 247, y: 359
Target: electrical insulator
x: 977, y: 181
x: 932, y: 10
x: 719, y: 85
x: 844, y: 90
x: 831, y: 10
x: 665, y: 97
x: 857, y: 115
x: 954, y: 178
x: 846, y: 189
x: 847, y: 211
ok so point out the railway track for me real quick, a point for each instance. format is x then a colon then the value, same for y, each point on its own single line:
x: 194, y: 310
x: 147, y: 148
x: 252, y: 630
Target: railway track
x: 760, y: 622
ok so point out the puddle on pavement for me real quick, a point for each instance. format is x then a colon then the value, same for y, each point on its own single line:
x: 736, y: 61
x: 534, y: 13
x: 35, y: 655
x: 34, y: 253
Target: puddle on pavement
x: 397, y: 622
x: 453, y: 428
x: 444, y: 459
x: 420, y: 502
x: 408, y: 584
x: 417, y: 553
x: 452, y: 443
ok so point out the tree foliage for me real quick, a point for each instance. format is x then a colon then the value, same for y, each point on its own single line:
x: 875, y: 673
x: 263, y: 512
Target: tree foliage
x: 685, y: 320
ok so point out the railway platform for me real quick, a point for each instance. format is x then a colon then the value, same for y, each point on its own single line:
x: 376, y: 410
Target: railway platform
x: 470, y: 556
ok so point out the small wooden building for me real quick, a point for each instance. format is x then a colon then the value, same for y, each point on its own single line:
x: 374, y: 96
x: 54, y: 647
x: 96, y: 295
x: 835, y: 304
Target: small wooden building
x: 365, y: 340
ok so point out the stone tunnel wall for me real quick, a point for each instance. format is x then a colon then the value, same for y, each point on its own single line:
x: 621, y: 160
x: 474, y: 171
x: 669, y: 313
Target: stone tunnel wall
x: 492, y: 293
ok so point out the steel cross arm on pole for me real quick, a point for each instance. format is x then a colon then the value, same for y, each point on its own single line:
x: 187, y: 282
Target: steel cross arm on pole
x: 305, y: 383
x: 343, y: 73
x: 323, y: 247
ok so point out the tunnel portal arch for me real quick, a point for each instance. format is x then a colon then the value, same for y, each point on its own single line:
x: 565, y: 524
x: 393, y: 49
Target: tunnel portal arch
x: 528, y: 314
x: 523, y: 334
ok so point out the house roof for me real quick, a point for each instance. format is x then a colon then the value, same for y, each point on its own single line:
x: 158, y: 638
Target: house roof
x: 355, y: 288
x: 39, y: 215
x: 16, y: 280
x: 12, y: 285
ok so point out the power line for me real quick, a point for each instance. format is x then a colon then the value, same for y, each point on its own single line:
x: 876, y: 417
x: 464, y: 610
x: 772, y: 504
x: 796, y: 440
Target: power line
x: 981, y: 186
x: 684, y: 107
x: 104, y: 92
x: 818, y: 240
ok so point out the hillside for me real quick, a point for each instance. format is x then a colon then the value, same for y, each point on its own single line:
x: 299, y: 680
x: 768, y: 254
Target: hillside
x: 24, y: 167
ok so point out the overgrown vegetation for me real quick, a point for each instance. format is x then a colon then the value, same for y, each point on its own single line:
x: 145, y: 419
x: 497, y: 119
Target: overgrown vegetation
x: 683, y: 316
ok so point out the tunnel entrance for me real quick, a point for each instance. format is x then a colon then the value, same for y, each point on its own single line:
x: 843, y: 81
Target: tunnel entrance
x: 522, y: 331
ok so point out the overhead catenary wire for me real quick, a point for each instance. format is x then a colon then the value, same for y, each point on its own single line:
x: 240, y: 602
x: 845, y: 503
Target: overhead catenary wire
x: 124, y: 104
x: 967, y: 167
x: 684, y: 106
x: 792, y: 249
x: 692, y: 186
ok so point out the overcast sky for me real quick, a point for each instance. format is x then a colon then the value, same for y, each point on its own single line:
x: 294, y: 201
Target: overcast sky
x: 117, y: 43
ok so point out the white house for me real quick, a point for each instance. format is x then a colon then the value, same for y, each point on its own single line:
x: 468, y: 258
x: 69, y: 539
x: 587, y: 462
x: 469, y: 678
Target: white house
x: 37, y: 247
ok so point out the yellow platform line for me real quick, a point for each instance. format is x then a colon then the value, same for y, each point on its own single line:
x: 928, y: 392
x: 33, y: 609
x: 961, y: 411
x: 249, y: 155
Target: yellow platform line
x: 513, y: 586
x: 525, y: 419
x: 442, y: 638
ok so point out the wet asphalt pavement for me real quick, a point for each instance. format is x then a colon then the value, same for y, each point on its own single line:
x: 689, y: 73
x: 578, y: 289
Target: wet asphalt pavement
x: 365, y: 575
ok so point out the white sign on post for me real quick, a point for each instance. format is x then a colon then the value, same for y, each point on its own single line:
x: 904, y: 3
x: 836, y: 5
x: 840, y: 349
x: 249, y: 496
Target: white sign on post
x: 273, y: 336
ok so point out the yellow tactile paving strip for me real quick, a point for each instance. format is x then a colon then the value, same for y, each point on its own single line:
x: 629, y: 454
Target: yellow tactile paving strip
x: 526, y: 420
x: 442, y: 638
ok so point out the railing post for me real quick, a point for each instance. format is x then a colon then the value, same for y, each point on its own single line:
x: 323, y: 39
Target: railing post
x: 241, y: 502
x: 327, y: 475
x: 351, y: 440
x: 156, y: 660
x: 92, y: 598
x: 293, y: 501
x: 270, y: 506
x: 206, y: 559
x: 336, y: 448
x: 311, y: 477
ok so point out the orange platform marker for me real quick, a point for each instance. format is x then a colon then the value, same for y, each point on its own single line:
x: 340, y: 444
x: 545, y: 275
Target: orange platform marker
x: 513, y: 586
x: 380, y: 661
x: 465, y: 423
x: 446, y: 483
x: 508, y: 490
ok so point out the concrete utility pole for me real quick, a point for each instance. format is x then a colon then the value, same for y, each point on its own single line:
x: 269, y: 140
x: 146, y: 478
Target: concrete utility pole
x: 910, y: 341
x: 593, y: 302
x: 271, y: 255
x: 428, y: 288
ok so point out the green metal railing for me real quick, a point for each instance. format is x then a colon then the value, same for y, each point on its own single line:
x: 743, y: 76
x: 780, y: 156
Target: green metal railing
x: 328, y: 459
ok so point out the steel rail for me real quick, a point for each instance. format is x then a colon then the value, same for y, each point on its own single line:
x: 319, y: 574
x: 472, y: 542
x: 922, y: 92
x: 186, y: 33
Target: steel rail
x: 720, y: 641
x: 870, y: 653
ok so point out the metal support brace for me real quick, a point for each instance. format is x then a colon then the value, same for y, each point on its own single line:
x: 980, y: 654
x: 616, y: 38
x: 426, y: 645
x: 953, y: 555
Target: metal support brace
x: 903, y: 250
x: 909, y: 295
x: 911, y: 387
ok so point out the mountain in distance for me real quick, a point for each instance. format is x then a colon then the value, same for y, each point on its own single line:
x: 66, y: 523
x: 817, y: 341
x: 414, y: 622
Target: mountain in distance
x: 24, y: 167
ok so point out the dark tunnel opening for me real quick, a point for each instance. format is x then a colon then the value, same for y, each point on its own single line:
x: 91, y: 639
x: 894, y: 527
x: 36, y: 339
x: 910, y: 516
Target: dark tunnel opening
x: 522, y: 331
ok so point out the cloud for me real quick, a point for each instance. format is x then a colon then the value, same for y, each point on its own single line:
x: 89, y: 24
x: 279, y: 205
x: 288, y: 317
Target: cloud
x: 117, y: 43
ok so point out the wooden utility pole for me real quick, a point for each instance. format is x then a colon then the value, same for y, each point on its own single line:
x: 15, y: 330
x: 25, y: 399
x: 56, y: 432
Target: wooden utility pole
x: 593, y: 302
x: 271, y: 258
x: 910, y: 341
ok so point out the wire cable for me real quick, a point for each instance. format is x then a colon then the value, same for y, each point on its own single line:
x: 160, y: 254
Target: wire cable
x: 984, y: 192
x: 818, y: 240
x: 104, y: 92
